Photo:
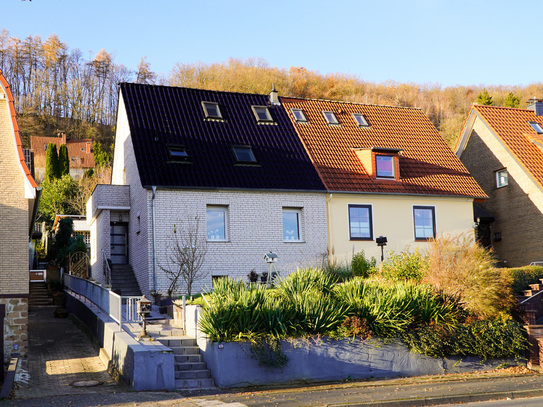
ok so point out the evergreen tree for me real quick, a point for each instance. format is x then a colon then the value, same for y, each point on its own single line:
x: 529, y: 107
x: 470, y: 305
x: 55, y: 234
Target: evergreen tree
x: 511, y: 100
x: 101, y: 157
x: 63, y: 160
x: 52, y: 171
x: 484, y: 98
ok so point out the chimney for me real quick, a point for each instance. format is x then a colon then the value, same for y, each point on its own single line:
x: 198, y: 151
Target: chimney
x: 536, y: 105
x: 274, y: 96
x: 88, y: 148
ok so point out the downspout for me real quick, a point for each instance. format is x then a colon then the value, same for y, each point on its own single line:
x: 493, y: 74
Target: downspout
x: 153, y: 189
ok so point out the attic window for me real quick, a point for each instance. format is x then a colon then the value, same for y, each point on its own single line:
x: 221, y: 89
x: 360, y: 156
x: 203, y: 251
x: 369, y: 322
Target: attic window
x: 211, y: 110
x: 537, y: 127
x: 262, y: 114
x: 361, y: 120
x: 298, y: 115
x: 178, y: 154
x: 330, y: 118
x: 244, y: 155
x: 384, y: 166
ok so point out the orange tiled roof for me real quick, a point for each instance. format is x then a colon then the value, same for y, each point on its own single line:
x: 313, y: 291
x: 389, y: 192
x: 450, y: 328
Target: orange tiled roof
x: 427, y: 165
x: 511, y: 126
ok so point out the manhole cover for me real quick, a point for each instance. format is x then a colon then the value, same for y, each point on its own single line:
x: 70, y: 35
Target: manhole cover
x: 86, y: 383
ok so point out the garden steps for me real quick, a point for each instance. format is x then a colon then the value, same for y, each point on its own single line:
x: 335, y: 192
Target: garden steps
x: 39, y: 295
x: 191, y: 371
x: 529, y: 293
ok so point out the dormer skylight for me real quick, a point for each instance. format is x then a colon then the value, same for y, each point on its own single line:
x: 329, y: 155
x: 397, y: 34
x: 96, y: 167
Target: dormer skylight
x: 330, y: 117
x: 178, y: 153
x: 298, y: 115
x: 244, y: 155
x: 537, y: 127
x: 360, y: 119
x: 211, y: 110
x: 262, y: 114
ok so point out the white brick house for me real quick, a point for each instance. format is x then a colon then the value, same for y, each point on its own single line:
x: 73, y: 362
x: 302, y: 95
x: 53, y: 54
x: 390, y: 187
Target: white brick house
x: 231, y: 160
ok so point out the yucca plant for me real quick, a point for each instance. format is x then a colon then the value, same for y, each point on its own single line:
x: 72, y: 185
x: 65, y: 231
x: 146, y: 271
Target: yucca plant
x: 303, y: 280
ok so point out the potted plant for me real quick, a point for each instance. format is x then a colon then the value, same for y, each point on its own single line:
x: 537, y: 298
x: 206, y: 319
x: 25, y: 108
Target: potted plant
x: 252, y: 276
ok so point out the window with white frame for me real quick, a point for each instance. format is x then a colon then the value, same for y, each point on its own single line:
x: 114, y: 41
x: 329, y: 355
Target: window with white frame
x: 424, y: 221
x: 298, y: 115
x: 217, y: 220
x: 262, y: 114
x: 330, y: 117
x: 211, y: 110
x: 360, y: 222
x: 537, y: 127
x: 292, y: 224
x: 502, y: 178
x: 360, y: 120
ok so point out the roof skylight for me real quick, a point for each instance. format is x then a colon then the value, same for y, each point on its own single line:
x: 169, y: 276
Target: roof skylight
x: 298, y: 115
x: 211, y: 110
x: 244, y: 154
x: 360, y: 119
x: 330, y: 117
x: 262, y: 113
x: 178, y: 153
x: 537, y: 127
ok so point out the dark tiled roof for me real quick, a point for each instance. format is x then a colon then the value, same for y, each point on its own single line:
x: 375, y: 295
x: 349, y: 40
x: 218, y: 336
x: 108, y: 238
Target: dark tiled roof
x: 160, y: 116
x: 427, y: 165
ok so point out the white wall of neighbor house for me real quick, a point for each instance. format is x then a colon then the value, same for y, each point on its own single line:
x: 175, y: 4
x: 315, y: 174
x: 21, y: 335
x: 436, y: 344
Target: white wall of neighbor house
x: 254, y: 227
x: 392, y: 217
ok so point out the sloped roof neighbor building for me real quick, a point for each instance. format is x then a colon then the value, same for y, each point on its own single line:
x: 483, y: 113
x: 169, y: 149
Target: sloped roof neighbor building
x: 231, y: 162
x: 389, y: 173
x: 19, y: 195
x: 502, y: 148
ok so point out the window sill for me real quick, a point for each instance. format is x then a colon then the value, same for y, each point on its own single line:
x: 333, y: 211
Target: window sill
x: 293, y: 241
x: 367, y: 239
x: 218, y: 241
x: 423, y: 239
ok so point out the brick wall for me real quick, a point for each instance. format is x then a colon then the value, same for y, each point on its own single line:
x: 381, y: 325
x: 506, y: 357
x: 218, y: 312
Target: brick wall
x: 517, y: 208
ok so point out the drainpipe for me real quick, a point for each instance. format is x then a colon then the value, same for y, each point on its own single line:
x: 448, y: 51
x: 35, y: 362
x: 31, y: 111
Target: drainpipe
x: 153, y: 188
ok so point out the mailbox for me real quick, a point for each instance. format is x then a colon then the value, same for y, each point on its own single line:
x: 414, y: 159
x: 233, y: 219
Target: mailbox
x: 143, y: 306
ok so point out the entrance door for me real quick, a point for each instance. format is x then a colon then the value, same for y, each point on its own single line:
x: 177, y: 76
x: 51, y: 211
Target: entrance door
x: 119, y: 243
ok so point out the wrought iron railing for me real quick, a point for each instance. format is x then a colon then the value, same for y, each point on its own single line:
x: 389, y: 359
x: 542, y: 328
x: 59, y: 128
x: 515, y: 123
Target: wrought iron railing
x: 107, y: 268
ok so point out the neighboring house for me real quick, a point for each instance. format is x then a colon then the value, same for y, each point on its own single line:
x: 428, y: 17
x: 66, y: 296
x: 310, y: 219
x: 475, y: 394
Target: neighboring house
x: 231, y: 162
x: 80, y: 226
x: 502, y: 148
x: 79, y: 151
x: 388, y: 172
x: 19, y: 195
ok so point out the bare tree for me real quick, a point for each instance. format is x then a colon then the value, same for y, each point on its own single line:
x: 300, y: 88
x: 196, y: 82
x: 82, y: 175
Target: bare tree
x: 186, y: 255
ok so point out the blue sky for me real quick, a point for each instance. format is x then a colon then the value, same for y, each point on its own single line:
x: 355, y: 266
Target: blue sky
x: 446, y: 42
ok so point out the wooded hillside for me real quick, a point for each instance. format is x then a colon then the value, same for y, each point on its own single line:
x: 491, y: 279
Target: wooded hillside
x: 56, y: 89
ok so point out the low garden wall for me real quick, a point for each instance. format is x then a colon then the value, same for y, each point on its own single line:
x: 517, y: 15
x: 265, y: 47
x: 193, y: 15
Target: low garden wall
x: 232, y: 364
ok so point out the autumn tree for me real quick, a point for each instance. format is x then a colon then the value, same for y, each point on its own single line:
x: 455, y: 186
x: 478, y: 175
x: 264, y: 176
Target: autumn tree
x: 484, y: 98
x: 145, y: 75
x: 63, y: 160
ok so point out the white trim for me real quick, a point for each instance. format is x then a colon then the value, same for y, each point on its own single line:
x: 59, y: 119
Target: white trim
x: 218, y: 208
x: 299, y: 212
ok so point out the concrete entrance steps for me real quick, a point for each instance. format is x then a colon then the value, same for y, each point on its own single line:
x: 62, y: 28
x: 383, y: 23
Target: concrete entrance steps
x: 39, y: 295
x: 124, y: 280
x: 191, y: 371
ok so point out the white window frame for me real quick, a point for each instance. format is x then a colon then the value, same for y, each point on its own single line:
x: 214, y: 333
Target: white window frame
x: 298, y: 212
x: 537, y: 127
x: 330, y: 117
x: 299, y: 115
x: 205, y: 104
x: 370, y: 209
x: 360, y: 120
x: 263, y: 109
x: 434, y: 222
x: 217, y: 209
x: 499, y: 180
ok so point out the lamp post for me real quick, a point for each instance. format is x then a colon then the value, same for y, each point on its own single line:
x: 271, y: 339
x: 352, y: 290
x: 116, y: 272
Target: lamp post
x: 270, y: 258
x: 381, y: 242
x: 144, y: 309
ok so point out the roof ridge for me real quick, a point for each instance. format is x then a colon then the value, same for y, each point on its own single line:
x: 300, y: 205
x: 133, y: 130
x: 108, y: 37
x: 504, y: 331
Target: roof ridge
x: 350, y: 103
x: 191, y: 88
x: 501, y: 107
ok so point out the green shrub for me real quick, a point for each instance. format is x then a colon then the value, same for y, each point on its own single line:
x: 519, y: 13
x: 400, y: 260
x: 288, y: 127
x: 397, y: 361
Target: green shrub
x: 522, y: 277
x: 499, y: 337
x: 339, y: 274
x: 404, y: 266
x: 362, y: 267
x: 303, y: 280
